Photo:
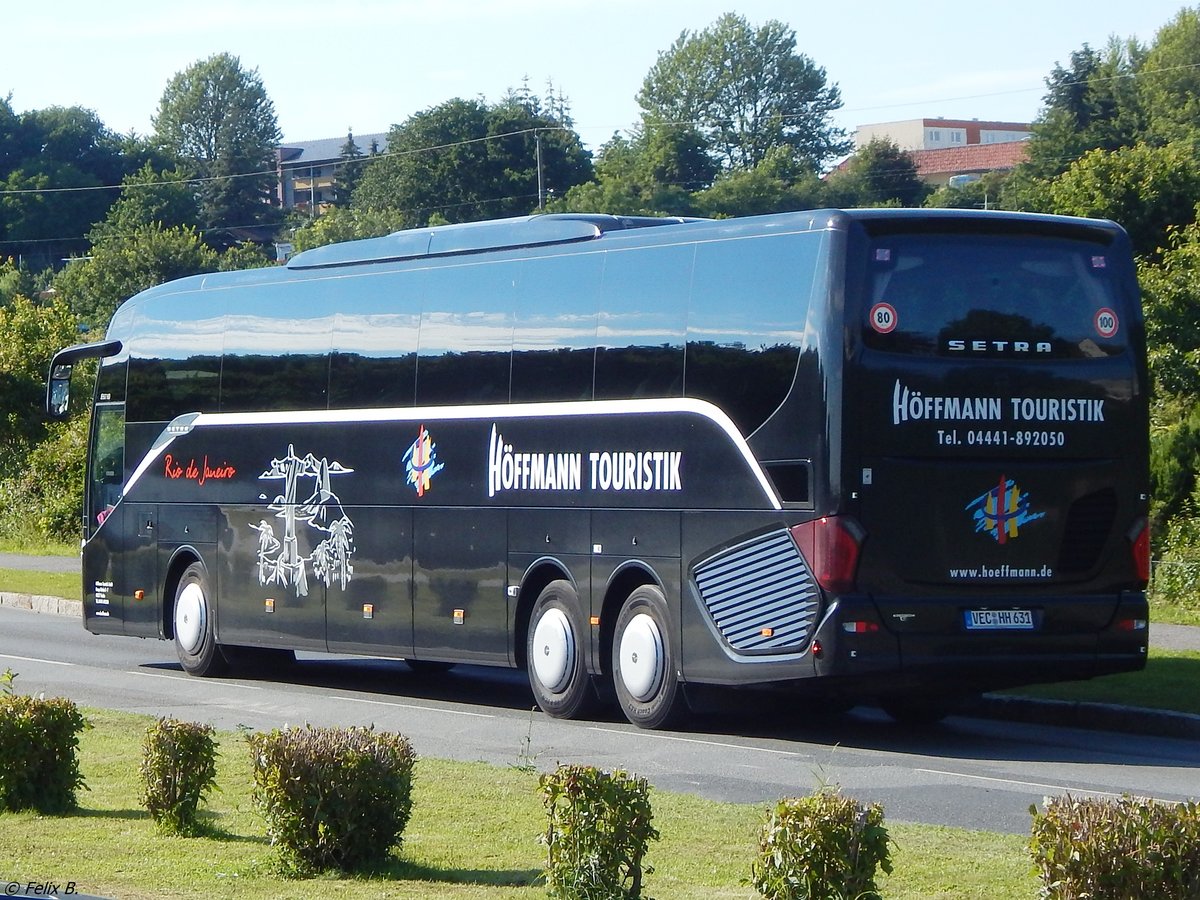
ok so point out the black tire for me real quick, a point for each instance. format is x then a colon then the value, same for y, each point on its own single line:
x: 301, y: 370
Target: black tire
x: 423, y: 667
x: 264, y: 661
x: 556, y: 654
x: 192, y: 618
x: 922, y: 711
x: 644, y: 662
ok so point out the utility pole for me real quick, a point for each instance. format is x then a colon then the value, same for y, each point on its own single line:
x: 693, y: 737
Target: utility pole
x: 537, y: 137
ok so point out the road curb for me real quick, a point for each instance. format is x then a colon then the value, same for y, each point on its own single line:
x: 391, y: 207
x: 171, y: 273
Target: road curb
x: 1089, y: 715
x: 1068, y: 713
x: 56, y: 606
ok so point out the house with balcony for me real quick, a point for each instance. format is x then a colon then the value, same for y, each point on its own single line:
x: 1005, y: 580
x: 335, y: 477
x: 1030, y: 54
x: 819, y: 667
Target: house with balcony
x: 308, y: 170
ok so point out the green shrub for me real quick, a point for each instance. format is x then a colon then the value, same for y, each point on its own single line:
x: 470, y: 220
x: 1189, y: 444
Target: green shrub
x: 39, y: 738
x: 1116, y: 849
x: 179, y: 767
x: 599, y: 830
x: 821, y: 847
x: 333, y: 798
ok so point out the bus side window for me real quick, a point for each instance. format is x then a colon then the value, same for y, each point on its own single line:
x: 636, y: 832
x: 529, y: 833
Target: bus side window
x: 255, y: 374
x: 374, y: 361
x: 466, y: 333
x: 175, y: 359
x: 746, y: 321
x: 554, y: 336
x: 643, y: 322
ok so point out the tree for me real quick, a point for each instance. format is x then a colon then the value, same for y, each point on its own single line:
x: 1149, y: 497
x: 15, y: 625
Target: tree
x: 1170, y: 79
x: 746, y: 90
x: 878, y: 174
x: 1093, y: 104
x: 216, y: 116
x: 984, y: 193
x: 349, y: 171
x: 43, y: 154
x: 1171, y: 298
x: 651, y: 173
x: 347, y: 224
x: 130, y: 262
x: 777, y: 184
x: 1146, y: 189
x: 465, y: 160
x: 149, y: 197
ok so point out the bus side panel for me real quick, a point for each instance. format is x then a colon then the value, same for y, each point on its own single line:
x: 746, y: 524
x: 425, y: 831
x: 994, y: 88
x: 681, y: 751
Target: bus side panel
x: 162, y: 530
x: 555, y: 537
x: 267, y: 593
x: 371, y: 612
x: 636, y: 538
x: 460, y: 602
x: 103, y: 587
x: 708, y: 657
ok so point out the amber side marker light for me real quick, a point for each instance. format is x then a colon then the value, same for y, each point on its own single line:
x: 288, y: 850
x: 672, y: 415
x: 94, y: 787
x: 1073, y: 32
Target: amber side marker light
x: 139, y: 594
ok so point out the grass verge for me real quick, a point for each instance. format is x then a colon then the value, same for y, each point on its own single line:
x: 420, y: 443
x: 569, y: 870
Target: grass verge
x: 1173, y: 613
x: 1168, y: 682
x: 473, y: 834
x: 50, y: 584
x: 37, y: 546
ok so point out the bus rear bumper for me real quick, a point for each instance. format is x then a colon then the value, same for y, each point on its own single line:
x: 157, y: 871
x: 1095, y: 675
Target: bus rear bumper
x: 1070, y: 640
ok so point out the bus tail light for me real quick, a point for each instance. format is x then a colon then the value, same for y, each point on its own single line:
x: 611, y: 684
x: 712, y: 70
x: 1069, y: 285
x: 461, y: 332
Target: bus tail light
x: 1139, y: 537
x: 860, y: 627
x: 831, y: 545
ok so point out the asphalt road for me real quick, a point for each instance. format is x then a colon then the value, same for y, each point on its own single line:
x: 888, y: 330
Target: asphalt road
x: 967, y: 772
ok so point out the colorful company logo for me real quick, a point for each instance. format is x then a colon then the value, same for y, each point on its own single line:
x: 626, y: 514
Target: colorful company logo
x: 421, y: 462
x: 1002, y: 511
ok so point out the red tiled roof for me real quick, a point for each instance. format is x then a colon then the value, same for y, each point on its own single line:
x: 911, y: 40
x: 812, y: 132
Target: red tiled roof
x: 970, y: 158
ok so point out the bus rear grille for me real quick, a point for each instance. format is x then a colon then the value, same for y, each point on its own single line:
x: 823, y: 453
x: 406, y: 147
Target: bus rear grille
x: 1089, y: 523
x: 760, y: 594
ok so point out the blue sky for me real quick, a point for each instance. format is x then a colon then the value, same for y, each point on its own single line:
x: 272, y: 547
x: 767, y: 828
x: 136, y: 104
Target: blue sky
x: 367, y: 64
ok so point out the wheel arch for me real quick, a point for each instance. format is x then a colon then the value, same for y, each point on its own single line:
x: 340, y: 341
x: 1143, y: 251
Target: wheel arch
x: 180, y: 559
x: 627, y: 578
x: 539, y: 574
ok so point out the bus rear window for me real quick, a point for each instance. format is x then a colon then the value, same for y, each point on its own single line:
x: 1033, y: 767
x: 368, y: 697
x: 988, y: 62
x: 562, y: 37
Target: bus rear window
x: 978, y: 295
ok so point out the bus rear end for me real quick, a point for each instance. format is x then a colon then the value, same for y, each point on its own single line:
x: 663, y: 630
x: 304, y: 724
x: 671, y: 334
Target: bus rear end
x: 994, y: 455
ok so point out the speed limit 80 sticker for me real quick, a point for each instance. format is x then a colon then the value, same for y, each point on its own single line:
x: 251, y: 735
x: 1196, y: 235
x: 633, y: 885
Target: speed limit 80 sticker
x: 1107, y: 323
x: 883, y: 317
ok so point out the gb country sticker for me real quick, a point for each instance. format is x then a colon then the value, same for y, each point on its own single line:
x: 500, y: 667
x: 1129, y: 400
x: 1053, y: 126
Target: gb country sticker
x: 883, y: 318
x: 1106, y: 322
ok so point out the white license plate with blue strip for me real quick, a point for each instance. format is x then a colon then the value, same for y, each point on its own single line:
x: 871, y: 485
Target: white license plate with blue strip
x: 999, y: 619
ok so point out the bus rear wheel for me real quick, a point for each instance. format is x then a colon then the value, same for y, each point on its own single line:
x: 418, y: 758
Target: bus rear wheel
x: 555, y: 654
x: 195, y: 640
x: 643, y: 662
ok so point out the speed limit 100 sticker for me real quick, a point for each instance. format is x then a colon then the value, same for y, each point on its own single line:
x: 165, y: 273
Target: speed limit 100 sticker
x: 1106, y: 322
x: 883, y: 317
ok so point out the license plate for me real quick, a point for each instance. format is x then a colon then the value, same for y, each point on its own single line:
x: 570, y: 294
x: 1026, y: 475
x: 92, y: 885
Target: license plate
x: 999, y: 620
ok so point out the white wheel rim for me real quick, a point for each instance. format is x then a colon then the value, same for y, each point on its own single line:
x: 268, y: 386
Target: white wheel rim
x: 553, y: 650
x: 642, y: 657
x: 191, y: 616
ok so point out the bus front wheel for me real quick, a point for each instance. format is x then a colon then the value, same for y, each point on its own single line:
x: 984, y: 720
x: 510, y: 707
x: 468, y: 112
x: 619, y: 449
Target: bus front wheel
x: 643, y: 662
x: 195, y: 641
x: 555, y: 653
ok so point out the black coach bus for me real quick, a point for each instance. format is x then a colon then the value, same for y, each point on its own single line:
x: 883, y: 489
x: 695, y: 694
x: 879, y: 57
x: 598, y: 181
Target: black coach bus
x: 890, y: 454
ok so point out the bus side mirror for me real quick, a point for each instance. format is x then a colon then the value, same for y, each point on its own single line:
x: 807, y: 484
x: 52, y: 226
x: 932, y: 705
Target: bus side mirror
x: 58, y: 393
x: 58, y: 385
